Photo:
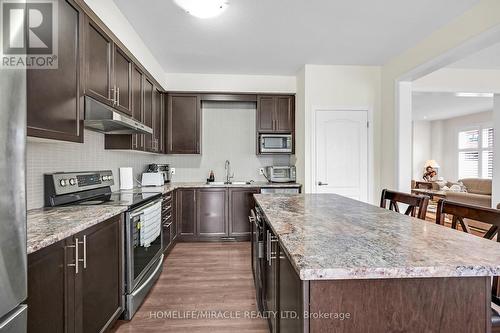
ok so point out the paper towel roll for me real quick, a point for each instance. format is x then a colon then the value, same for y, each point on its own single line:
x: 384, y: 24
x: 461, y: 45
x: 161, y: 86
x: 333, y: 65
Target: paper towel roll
x: 126, y: 179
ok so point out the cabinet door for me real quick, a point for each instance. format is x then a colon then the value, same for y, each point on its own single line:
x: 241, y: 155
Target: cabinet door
x: 285, y: 114
x: 51, y: 289
x: 266, y: 106
x: 100, y: 283
x: 157, y: 121
x: 212, y: 212
x: 137, y: 106
x: 122, y: 70
x: 241, y: 201
x: 98, y: 48
x: 186, y: 212
x: 148, y: 114
x: 270, y: 277
x: 184, y: 124
x: 55, y: 106
x: 290, y: 296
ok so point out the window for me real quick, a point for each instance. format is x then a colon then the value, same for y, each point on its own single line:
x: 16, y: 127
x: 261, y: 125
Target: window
x: 475, y: 153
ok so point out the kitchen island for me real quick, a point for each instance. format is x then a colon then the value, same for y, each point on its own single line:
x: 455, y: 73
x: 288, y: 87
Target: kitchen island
x: 333, y: 264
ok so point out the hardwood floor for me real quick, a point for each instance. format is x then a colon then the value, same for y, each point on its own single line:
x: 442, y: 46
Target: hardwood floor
x: 201, y: 277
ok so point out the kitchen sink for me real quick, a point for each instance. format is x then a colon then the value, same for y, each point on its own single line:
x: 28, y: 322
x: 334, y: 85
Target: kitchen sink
x: 230, y: 183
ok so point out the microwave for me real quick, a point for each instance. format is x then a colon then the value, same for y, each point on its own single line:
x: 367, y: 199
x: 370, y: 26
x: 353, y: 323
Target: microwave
x: 275, y: 143
x: 281, y: 174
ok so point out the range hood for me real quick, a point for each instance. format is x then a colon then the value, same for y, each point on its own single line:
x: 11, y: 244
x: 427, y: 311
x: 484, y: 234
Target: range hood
x: 103, y: 118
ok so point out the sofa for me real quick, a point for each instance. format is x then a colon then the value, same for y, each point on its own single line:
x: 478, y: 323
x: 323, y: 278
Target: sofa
x: 478, y: 192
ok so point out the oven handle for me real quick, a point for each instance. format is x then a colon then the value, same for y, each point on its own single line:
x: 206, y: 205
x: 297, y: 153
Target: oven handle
x: 140, y: 210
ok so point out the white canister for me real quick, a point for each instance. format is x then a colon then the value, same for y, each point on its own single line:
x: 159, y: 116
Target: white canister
x: 126, y: 179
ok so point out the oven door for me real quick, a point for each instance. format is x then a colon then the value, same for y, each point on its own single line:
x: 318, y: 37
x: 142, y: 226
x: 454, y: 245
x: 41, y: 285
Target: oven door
x: 275, y: 143
x: 144, y: 241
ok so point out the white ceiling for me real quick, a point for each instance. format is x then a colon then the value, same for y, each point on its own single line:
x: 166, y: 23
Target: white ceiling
x: 488, y: 58
x: 280, y: 36
x: 443, y: 105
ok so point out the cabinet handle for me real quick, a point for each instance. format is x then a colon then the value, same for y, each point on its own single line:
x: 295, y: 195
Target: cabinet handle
x: 76, y: 255
x: 118, y: 96
x: 84, y: 260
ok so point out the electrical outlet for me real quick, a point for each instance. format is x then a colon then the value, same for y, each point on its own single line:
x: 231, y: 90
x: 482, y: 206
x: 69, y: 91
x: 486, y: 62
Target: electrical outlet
x: 172, y: 171
x: 261, y: 171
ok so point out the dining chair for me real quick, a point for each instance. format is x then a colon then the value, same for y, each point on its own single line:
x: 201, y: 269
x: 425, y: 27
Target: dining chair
x: 459, y: 213
x: 415, y: 203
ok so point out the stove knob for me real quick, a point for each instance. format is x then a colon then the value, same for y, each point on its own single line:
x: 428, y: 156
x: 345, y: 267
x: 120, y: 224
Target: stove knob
x: 104, y: 178
x: 110, y: 177
x: 63, y: 182
x: 72, y: 181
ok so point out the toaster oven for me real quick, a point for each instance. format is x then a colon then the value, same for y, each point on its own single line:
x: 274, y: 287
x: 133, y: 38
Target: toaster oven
x: 281, y: 174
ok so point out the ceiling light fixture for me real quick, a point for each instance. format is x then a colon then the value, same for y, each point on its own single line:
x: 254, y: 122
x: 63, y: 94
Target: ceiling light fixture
x: 468, y: 94
x: 203, y: 8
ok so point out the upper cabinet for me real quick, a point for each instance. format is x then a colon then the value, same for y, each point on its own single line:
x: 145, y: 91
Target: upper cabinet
x: 275, y: 113
x: 108, y: 70
x: 149, y: 142
x: 55, y: 103
x: 122, y: 70
x: 98, y: 64
x: 183, y: 124
x: 158, y: 121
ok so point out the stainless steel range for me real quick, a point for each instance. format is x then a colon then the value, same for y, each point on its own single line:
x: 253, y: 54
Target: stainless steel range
x: 143, y: 248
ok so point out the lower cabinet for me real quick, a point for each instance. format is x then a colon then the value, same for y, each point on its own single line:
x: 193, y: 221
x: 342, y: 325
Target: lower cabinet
x: 168, y: 221
x: 211, y: 211
x: 214, y: 213
x: 76, y: 285
x: 241, y: 201
x: 271, y: 279
x: 284, y: 293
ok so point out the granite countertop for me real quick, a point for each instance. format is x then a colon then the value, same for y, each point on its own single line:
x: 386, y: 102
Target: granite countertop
x: 46, y: 226
x: 330, y: 237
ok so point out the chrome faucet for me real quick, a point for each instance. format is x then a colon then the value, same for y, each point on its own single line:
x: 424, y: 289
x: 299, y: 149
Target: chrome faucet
x: 227, y: 168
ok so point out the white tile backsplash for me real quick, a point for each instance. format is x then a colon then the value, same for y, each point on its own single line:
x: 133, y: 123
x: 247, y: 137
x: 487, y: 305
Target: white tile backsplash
x: 228, y: 133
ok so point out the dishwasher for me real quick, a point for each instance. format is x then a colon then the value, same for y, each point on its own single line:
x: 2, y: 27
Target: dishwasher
x: 286, y: 190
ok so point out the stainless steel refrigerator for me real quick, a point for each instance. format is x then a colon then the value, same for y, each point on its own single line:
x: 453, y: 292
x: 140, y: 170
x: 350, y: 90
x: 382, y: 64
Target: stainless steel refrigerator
x: 13, y: 267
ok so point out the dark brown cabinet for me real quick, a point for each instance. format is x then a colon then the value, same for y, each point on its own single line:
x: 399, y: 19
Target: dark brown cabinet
x: 64, y: 298
x: 186, y: 212
x: 241, y: 201
x: 149, y: 143
x: 158, y: 107
x: 212, y: 212
x: 98, y: 64
x: 51, y: 289
x: 108, y: 70
x: 137, y: 109
x: 291, y: 297
x: 122, y: 70
x: 183, y: 124
x: 54, y: 97
x: 271, y: 278
x: 168, y: 221
x: 275, y: 113
x: 101, y: 280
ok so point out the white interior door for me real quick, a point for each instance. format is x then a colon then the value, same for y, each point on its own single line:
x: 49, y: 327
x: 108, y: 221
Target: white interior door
x: 342, y: 153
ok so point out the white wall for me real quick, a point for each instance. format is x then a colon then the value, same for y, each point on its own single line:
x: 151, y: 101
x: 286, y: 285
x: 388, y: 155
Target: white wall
x: 230, y: 83
x: 422, y: 147
x: 114, y: 19
x: 300, y: 121
x: 444, y: 136
x: 430, y: 54
x: 337, y: 87
x: 459, y: 80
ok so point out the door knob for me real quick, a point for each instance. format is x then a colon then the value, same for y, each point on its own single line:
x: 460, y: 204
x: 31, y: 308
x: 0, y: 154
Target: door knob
x: 322, y: 184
